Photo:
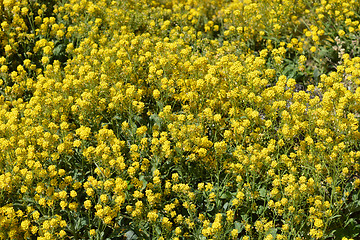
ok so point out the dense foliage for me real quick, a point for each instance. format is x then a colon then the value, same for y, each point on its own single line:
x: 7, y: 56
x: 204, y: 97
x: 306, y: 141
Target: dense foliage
x: 179, y: 119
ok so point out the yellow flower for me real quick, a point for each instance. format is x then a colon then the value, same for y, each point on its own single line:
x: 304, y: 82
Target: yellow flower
x: 34, y: 229
x: 45, y: 60
x: 302, y: 59
x: 318, y: 223
x: 90, y: 192
x: 202, y: 152
x: 60, y: 33
x: 230, y: 215
x: 177, y: 230
x: 141, y: 130
x: 103, y: 198
x: 8, y: 48
x: 357, y: 183
x: 36, y: 215
x: 77, y: 143
x: 269, y: 237
x: 63, y: 204
x: 152, y: 216
x: 63, y: 194
x: 341, y: 33
x: 315, y: 233
x: 62, y: 233
x: 25, y: 225
x: 285, y: 227
x: 83, y: 132
x: 42, y: 201
x: 166, y: 222
x: 87, y: 204
x: 234, y: 233
x: 217, y: 117
x: 220, y: 147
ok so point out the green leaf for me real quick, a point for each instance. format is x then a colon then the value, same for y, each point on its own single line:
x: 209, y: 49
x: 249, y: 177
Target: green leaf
x: 290, y: 70
x: 316, y: 74
x: 351, y: 229
x: 260, y: 209
x: 59, y: 49
x: 225, y: 195
x: 117, y: 118
x: 158, y: 230
x: 142, y: 179
x: 263, y: 192
x: 210, y: 207
x: 239, y: 226
x: 272, y: 231
x: 333, y: 217
x: 130, y: 235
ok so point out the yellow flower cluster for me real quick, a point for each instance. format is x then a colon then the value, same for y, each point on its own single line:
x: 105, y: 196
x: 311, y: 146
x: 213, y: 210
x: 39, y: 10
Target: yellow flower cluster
x: 189, y: 119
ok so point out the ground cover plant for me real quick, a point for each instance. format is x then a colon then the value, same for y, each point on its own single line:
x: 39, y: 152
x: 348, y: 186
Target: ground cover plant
x: 179, y: 119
